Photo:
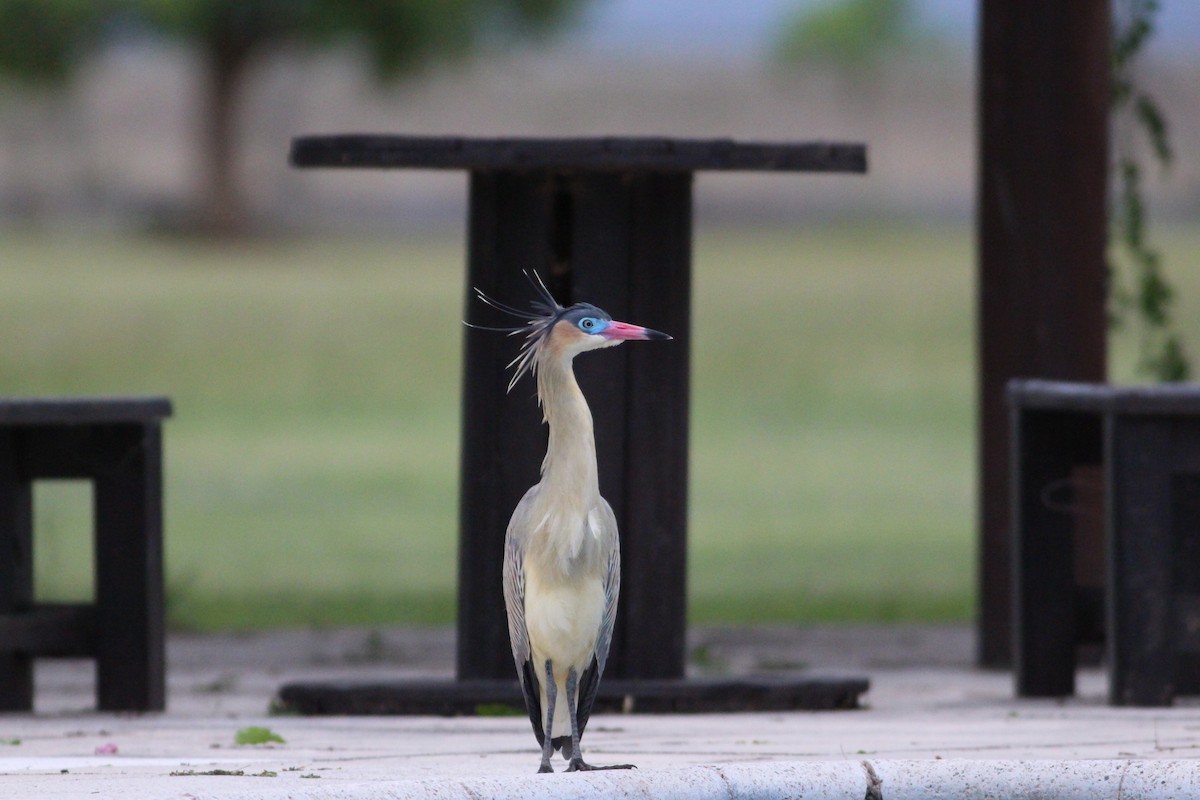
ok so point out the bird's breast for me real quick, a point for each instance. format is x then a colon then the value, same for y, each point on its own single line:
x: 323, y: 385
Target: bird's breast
x: 563, y: 618
x: 567, y: 538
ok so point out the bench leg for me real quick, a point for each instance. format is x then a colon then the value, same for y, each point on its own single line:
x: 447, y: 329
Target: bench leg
x: 16, y: 572
x: 1185, y: 517
x: 1140, y: 643
x: 1047, y: 445
x: 130, y: 643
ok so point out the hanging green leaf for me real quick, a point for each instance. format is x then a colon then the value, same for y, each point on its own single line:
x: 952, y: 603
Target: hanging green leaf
x: 1149, y: 301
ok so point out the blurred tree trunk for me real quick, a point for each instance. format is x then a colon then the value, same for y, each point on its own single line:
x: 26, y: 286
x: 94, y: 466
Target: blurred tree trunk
x: 400, y: 35
x: 224, y: 209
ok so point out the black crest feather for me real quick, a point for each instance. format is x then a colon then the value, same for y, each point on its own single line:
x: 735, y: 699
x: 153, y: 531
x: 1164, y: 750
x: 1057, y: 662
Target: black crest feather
x: 538, y: 320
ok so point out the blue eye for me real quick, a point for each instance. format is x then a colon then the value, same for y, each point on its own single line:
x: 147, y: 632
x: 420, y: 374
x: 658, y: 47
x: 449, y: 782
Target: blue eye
x: 589, y: 324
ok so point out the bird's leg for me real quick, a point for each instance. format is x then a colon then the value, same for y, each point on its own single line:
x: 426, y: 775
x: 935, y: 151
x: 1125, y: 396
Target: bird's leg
x: 547, y: 744
x: 577, y: 763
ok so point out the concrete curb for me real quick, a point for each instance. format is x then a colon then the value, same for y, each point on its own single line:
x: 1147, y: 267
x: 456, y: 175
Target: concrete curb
x: 842, y: 780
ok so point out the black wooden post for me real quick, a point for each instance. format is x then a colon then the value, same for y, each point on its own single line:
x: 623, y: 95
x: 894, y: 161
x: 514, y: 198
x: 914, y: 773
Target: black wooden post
x: 16, y: 571
x: 130, y: 605
x: 633, y: 235
x: 1043, y: 150
x: 624, y: 242
x: 1048, y: 445
x: 650, y: 641
x: 1154, y: 590
x: 509, y: 231
x: 1142, y: 646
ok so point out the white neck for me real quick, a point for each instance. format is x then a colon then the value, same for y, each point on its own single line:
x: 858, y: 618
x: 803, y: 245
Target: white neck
x: 569, y: 468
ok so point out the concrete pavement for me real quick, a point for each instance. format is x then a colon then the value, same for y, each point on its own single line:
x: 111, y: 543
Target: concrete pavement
x: 933, y: 727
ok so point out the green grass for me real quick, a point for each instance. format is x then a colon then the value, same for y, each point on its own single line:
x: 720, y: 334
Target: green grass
x: 833, y: 438
x: 311, y: 462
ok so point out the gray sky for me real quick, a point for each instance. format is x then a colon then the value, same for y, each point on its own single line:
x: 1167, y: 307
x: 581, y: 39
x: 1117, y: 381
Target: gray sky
x: 743, y: 27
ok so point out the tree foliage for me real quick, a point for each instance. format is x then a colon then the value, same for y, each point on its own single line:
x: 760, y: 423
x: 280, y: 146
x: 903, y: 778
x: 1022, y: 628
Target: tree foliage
x: 42, y: 40
x: 849, y: 35
x: 399, y: 34
x: 1140, y: 124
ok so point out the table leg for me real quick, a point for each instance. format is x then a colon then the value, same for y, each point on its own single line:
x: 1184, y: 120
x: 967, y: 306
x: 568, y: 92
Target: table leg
x: 622, y: 241
x: 632, y: 257
x: 16, y: 571
x: 1185, y: 530
x: 130, y: 624
x: 510, y: 229
x: 1047, y: 444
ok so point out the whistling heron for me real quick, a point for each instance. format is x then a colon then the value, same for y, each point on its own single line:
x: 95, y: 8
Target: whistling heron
x: 562, y: 559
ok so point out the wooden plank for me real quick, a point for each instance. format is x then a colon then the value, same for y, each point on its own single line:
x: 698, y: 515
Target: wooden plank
x: 81, y: 410
x: 563, y: 154
x: 1043, y: 180
x: 1150, y: 399
x: 653, y: 619
x: 596, y: 237
x: 72, y: 451
x: 503, y: 439
x: 601, y: 237
x: 130, y: 605
x: 602, y: 231
x: 629, y: 253
x: 1140, y: 646
x: 16, y: 571
x: 600, y: 263
x: 59, y: 630
x: 479, y: 697
x: 1047, y: 446
x: 1185, y: 556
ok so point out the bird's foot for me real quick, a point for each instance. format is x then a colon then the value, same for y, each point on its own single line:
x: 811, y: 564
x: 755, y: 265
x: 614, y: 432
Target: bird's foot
x: 545, y: 767
x: 579, y: 765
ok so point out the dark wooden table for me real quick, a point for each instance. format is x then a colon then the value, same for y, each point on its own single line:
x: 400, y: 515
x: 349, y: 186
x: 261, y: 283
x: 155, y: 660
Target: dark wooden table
x: 609, y: 221
x: 1144, y: 445
x: 116, y: 443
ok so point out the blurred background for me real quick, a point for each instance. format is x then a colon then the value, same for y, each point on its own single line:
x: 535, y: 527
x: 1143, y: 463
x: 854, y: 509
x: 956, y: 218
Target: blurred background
x: 306, y: 324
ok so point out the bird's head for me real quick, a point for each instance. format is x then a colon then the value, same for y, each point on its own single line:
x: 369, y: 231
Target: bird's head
x: 554, y: 332
x: 584, y: 327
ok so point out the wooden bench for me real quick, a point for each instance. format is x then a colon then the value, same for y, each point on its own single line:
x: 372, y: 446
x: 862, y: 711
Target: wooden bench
x: 116, y: 443
x: 1145, y: 442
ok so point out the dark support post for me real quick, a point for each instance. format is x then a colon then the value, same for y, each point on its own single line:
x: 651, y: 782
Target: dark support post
x: 1141, y: 647
x: 624, y: 242
x: 644, y: 454
x: 510, y: 227
x: 1154, y: 594
x: 1049, y: 444
x: 130, y: 606
x: 1185, y: 555
x: 1044, y: 101
x: 16, y: 571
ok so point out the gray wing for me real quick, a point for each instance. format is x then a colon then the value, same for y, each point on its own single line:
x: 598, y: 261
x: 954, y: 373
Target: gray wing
x: 589, y: 683
x: 612, y: 583
x: 514, y: 605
